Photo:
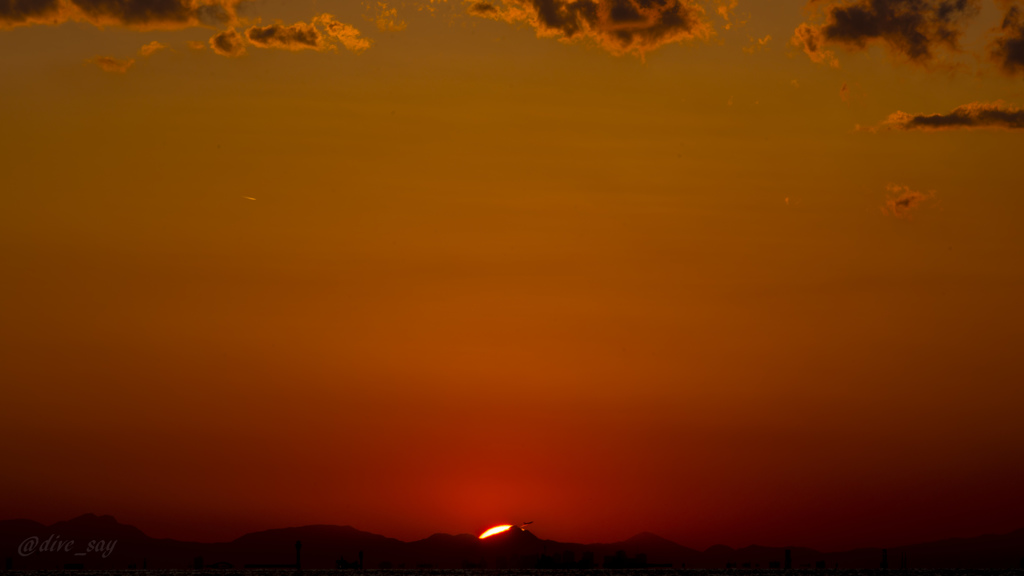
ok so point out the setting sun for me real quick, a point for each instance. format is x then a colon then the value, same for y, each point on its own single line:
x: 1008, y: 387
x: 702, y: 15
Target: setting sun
x: 496, y: 530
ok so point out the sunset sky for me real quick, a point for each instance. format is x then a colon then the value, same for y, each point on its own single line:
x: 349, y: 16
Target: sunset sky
x: 745, y: 271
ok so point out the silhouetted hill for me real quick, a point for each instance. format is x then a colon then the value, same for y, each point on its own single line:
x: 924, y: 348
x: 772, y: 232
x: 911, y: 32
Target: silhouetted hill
x: 321, y: 546
x: 658, y: 550
x: 18, y: 526
x: 988, y: 551
x: 115, y: 545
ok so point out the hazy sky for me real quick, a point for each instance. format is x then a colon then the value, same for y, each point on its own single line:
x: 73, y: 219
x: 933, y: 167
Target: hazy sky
x: 728, y: 272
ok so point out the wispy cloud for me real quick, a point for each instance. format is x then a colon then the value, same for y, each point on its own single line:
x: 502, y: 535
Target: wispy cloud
x: 387, y: 20
x: 725, y: 10
x: 757, y: 44
x: 109, y: 64
x: 346, y: 34
x: 902, y: 202
x: 809, y: 39
x: 150, y: 48
x: 976, y: 115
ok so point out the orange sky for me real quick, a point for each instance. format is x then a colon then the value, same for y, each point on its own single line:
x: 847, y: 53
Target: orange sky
x: 435, y: 266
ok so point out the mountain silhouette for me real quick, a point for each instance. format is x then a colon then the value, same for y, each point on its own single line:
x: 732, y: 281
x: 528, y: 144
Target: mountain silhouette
x: 324, y: 545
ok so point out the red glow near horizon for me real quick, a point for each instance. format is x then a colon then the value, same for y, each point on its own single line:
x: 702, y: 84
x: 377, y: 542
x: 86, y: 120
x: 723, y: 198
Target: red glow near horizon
x: 496, y: 530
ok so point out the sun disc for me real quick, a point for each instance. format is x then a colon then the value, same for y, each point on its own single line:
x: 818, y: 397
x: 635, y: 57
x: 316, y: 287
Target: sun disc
x: 496, y: 530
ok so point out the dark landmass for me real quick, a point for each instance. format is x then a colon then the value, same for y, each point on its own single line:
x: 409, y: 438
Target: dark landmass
x: 93, y: 542
x: 514, y: 572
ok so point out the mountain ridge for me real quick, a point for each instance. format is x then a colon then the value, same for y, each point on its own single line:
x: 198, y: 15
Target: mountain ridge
x: 325, y: 544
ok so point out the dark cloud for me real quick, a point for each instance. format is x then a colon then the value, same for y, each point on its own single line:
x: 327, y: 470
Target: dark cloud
x: 902, y: 201
x: 914, y: 29
x: 1008, y: 48
x: 228, y: 43
x: 619, y: 26
x: 994, y: 115
x: 134, y: 13
x: 298, y: 36
x: 137, y: 12
x: 217, y: 14
x: 485, y: 9
x: 14, y: 12
x: 316, y: 35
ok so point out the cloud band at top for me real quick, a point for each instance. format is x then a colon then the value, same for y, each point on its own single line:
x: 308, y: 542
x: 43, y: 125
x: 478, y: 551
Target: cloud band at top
x: 619, y: 26
x: 146, y: 14
x: 913, y: 29
x: 319, y: 35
